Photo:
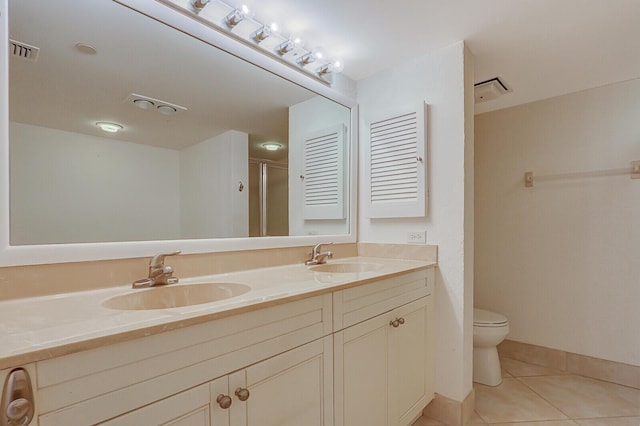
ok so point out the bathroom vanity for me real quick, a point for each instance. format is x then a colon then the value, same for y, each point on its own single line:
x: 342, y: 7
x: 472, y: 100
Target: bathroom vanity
x: 348, y: 345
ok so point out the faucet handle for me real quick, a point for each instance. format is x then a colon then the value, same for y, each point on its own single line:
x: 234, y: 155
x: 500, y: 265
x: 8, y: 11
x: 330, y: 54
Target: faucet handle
x: 158, y: 259
x: 316, y: 248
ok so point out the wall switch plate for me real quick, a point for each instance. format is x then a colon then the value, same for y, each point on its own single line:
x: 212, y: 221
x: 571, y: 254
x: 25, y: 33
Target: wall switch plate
x: 417, y: 237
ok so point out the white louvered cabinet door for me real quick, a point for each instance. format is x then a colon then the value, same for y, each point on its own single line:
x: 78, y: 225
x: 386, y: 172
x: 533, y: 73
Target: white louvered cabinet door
x: 324, y: 174
x: 396, y: 163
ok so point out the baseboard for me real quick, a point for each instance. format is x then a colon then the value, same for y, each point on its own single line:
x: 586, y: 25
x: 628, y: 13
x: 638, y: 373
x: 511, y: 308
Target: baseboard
x: 596, y: 368
x: 449, y: 411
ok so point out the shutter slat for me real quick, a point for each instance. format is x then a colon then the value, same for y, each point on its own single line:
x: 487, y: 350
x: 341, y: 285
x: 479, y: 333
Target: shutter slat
x: 323, y: 167
x: 396, y: 165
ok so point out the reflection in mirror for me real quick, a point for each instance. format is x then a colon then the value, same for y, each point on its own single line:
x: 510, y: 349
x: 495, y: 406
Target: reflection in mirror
x: 183, y: 153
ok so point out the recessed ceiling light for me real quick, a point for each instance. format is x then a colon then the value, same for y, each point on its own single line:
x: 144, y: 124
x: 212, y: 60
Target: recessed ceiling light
x: 166, y: 109
x: 87, y: 49
x: 143, y: 103
x: 109, y: 127
x: 271, y: 146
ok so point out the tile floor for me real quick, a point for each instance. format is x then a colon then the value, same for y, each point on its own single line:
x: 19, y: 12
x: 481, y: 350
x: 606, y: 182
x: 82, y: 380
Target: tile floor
x: 537, y: 396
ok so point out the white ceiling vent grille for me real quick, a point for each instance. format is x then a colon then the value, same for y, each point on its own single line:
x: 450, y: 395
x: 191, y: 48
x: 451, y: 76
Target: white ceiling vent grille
x: 396, y: 163
x: 23, y: 51
x: 491, y: 89
x: 324, y: 174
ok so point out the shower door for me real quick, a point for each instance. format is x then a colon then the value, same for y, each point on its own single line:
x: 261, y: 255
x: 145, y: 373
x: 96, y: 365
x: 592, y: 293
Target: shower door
x: 268, y: 199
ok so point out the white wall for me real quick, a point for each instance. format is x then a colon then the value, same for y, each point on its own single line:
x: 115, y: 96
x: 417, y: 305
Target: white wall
x: 210, y: 173
x: 444, y: 80
x: 68, y: 187
x: 561, y: 260
x: 315, y: 114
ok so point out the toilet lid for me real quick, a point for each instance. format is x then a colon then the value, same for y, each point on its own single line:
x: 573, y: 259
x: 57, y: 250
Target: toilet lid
x: 488, y: 318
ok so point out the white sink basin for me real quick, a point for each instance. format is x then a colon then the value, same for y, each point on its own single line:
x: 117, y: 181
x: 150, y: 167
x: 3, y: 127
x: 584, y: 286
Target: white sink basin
x: 176, y: 295
x: 346, y: 267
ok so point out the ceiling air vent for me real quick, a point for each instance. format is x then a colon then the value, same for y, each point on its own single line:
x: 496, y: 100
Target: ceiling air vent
x: 489, y: 90
x: 23, y: 50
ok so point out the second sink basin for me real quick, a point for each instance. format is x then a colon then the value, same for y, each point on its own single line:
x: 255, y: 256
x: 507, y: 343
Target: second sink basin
x: 174, y: 296
x: 346, y: 267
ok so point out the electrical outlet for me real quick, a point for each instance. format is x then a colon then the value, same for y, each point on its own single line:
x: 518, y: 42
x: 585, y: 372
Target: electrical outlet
x: 417, y: 237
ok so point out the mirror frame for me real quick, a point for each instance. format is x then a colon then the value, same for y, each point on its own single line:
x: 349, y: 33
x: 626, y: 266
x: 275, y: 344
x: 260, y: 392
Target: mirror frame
x: 78, y: 252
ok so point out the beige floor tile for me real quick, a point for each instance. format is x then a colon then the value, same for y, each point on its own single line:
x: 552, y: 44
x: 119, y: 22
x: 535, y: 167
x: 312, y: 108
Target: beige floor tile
x: 522, y: 369
x: 581, y: 397
x: 618, y: 421
x: 513, y: 402
x: 548, y: 423
x: 425, y: 421
x: 477, y: 420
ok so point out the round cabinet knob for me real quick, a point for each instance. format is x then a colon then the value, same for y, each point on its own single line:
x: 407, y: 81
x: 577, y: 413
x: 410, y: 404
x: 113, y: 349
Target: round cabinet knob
x: 401, y: 320
x: 395, y: 323
x: 242, y: 394
x: 17, y: 411
x: 224, y: 401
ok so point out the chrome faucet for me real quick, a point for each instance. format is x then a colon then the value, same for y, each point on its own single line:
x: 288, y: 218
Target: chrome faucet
x: 159, y: 274
x: 317, y: 257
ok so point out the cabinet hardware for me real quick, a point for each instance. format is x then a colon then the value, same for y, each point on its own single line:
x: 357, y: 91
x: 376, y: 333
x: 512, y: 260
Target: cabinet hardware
x: 224, y: 401
x: 396, y: 322
x: 242, y: 394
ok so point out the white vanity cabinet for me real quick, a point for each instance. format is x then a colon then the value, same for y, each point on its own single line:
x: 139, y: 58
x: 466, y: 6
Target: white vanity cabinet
x: 291, y: 389
x: 166, y: 378
x: 384, y: 357
x: 362, y: 355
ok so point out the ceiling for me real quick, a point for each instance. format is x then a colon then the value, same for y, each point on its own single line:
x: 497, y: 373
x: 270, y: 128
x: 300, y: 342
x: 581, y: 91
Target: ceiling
x: 541, y: 48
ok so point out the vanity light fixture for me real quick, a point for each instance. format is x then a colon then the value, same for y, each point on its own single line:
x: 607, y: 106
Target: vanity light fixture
x: 335, y: 66
x: 198, y: 5
x: 306, y: 59
x: 109, y: 127
x: 271, y: 146
x: 284, y: 47
x: 261, y: 34
x: 234, y: 18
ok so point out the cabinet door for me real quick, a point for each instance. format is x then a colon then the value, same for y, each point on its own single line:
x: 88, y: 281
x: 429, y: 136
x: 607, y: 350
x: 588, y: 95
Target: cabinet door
x: 220, y: 396
x: 188, y: 408
x: 291, y: 389
x: 410, y: 374
x: 361, y: 379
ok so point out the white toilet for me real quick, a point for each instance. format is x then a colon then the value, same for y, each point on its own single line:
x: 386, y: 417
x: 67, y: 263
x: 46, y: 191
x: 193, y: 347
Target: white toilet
x: 489, y: 329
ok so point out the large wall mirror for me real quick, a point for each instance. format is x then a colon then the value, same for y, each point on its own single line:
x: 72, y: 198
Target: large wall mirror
x: 128, y: 136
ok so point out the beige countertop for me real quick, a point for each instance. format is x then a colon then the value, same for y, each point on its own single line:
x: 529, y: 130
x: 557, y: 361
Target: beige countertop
x: 39, y: 328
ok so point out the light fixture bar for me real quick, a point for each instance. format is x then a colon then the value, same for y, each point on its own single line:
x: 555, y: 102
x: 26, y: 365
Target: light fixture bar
x: 286, y: 49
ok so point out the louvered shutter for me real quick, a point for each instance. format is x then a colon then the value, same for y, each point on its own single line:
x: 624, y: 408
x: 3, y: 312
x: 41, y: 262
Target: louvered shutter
x: 323, y: 178
x: 396, y: 164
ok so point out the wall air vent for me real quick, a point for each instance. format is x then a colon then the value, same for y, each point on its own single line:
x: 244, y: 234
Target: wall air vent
x: 23, y: 50
x: 491, y: 89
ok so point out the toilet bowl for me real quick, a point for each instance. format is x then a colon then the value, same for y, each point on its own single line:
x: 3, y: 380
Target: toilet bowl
x: 489, y: 329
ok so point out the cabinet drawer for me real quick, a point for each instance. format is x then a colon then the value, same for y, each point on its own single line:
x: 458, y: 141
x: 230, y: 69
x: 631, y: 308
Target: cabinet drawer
x: 191, y: 407
x: 92, y: 386
x: 358, y: 304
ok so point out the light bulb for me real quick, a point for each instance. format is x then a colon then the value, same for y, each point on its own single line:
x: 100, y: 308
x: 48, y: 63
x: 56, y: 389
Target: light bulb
x: 275, y: 27
x: 271, y: 146
x: 109, y: 127
x: 337, y: 66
